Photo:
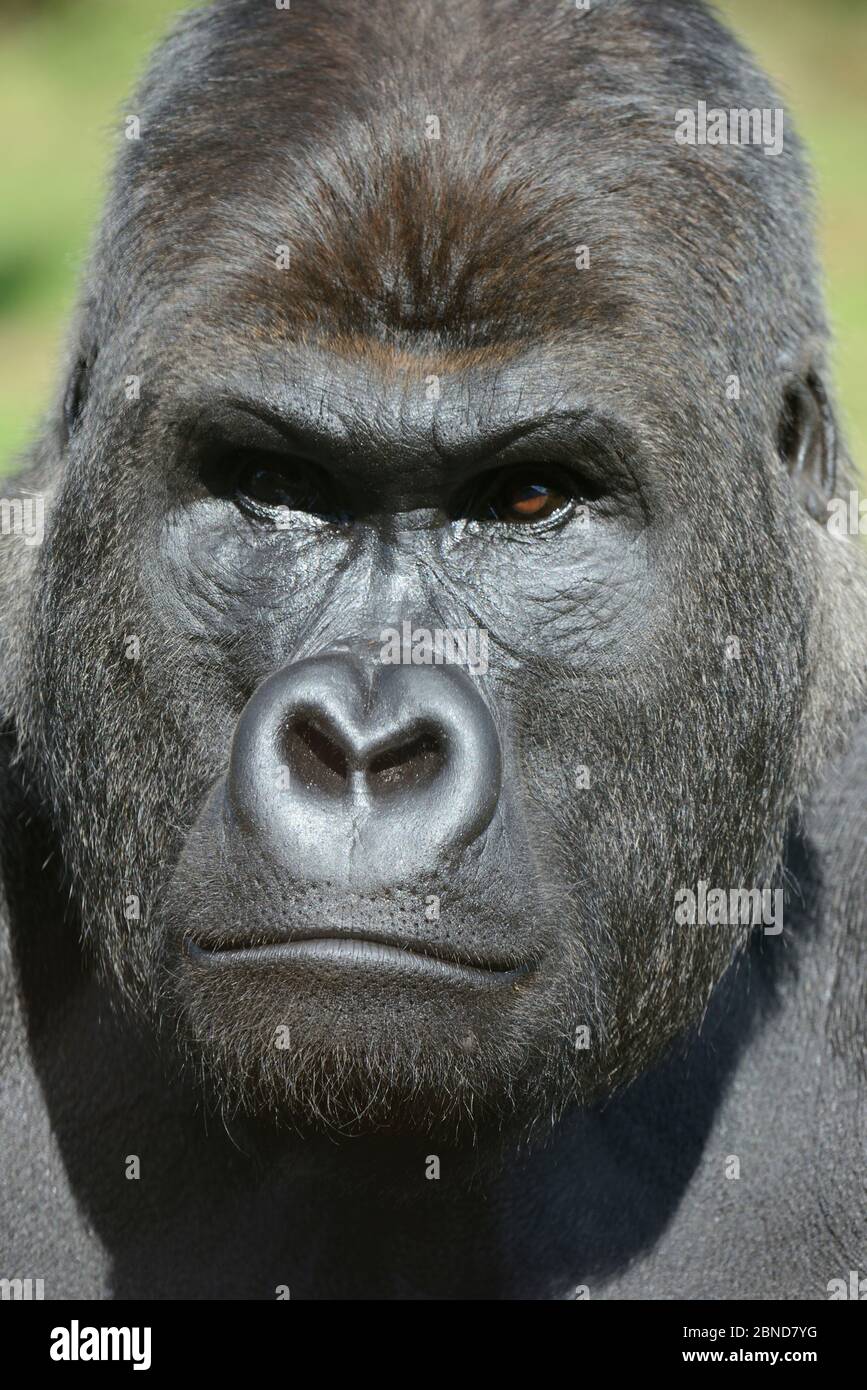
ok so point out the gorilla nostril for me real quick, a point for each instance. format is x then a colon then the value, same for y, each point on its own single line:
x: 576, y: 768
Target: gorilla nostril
x: 410, y: 764
x: 314, y: 757
x: 319, y: 758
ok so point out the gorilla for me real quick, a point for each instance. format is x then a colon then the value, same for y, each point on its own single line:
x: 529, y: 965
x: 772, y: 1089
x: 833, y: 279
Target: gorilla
x: 433, y: 849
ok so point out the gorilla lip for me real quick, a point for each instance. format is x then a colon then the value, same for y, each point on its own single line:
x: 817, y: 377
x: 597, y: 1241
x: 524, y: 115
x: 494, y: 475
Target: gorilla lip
x: 354, y: 951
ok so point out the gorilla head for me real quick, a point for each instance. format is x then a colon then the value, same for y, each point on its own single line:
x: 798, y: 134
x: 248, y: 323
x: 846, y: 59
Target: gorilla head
x: 434, y: 581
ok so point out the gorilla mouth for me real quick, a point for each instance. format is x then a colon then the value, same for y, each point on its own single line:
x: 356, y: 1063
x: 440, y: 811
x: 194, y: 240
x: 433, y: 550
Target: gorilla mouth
x: 356, y: 952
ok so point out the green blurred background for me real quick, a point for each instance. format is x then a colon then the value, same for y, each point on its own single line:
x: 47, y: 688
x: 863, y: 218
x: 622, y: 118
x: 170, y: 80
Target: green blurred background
x: 66, y: 67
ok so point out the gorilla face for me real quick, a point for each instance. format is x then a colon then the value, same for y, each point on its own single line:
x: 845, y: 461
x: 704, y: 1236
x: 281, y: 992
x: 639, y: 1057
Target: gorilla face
x: 373, y: 893
x: 355, y: 888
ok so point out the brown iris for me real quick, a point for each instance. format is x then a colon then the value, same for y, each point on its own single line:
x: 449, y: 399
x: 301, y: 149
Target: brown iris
x: 527, y: 500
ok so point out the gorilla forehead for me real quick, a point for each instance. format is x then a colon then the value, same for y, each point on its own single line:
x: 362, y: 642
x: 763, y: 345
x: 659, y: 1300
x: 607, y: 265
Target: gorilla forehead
x: 275, y: 128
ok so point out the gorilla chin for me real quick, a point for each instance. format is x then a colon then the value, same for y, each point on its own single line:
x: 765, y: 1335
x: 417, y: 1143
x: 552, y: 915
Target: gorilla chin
x: 413, y: 1044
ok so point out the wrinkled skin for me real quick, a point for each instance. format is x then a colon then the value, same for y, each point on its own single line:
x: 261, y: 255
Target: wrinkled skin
x: 361, y: 913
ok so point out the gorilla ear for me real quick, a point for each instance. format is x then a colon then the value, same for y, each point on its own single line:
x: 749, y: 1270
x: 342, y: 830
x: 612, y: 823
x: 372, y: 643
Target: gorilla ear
x: 77, y: 387
x: 807, y: 442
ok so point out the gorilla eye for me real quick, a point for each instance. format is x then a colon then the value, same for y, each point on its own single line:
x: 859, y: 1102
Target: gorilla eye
x: 266, y: 485
x: 527, y: 499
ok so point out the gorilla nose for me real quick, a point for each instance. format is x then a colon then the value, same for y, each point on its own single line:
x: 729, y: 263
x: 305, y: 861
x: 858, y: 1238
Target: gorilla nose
x: 350, y: 771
